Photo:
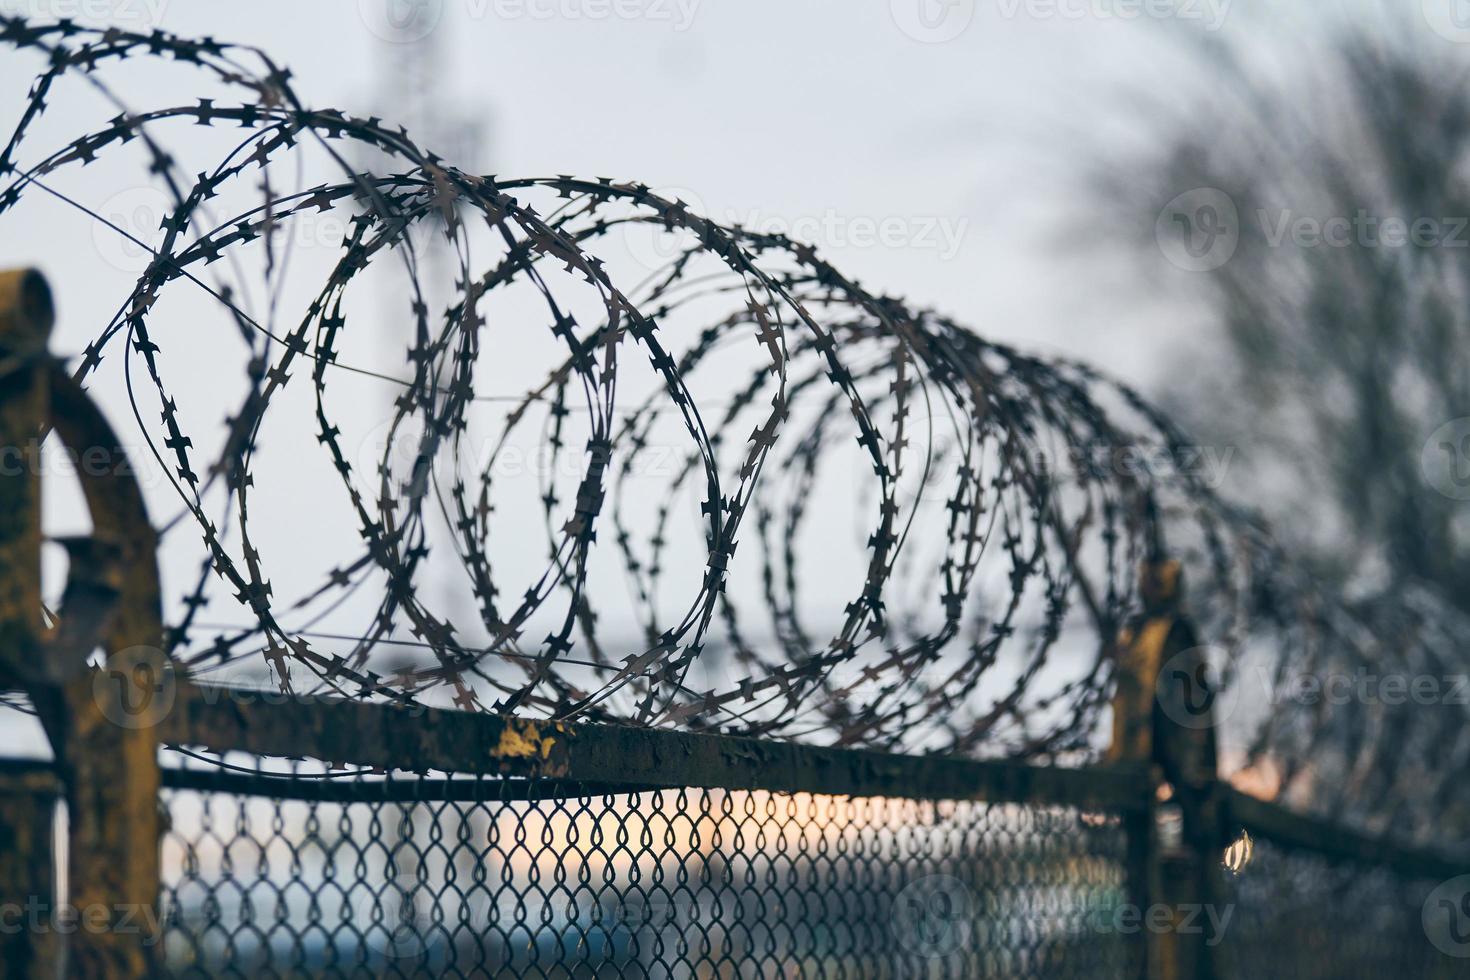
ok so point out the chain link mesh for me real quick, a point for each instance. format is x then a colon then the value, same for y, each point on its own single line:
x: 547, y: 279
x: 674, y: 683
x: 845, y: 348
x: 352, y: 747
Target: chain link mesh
x: 1298, y: 914
x: 289, y: 868
x: 388, y: 877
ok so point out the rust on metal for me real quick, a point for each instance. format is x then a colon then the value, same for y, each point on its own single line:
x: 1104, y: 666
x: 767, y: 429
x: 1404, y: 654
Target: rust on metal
x: 108, y: 766
x: 28, y: 871
x: 373, y: 734
x: 1175, y: 872
x: 26, y: 317
x: 1141, y: 654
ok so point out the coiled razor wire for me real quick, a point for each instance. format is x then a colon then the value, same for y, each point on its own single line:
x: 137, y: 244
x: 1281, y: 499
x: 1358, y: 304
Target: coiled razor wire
x: 998, y: 556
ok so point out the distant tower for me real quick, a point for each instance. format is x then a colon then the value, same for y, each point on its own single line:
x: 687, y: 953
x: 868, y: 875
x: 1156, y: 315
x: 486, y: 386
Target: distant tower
x: 415, y: 90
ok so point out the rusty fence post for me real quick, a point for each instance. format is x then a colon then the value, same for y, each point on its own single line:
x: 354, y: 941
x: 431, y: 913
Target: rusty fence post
x: 25, y: 323
x: 27, y: 861
x: 1163, y: 718
x: 28, y: 871
x: 106, y: 753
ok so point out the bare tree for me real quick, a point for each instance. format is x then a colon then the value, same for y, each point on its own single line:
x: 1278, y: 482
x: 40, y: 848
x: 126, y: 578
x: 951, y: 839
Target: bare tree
x: 1323, y: 204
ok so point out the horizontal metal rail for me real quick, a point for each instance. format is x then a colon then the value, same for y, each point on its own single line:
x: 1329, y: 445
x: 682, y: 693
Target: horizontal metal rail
x: 37, y: 774
x: 505, y: 759
x: 430, y: 739
x: 1294, y: 831
x: 530, y: 759
x: 389, y: 789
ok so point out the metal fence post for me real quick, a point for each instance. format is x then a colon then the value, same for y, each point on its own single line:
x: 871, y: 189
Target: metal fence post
x: 1163, y: 719
x: 26, y: 858
x: 106, y: 754
x: 25, y: 323
x: 27, y: 872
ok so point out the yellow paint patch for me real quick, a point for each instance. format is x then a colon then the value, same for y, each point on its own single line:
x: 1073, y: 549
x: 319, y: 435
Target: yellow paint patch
x: 527, y: 743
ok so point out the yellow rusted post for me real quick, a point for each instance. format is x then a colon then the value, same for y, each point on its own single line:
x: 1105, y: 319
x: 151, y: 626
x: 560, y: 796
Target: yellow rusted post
x: 25, y: 323
x: 27, y: 861
x: 1163, y: 720
x: 106, y: 751
x: 28, y: 944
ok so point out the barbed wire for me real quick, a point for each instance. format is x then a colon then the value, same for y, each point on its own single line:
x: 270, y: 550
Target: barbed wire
x: 1000, y: 538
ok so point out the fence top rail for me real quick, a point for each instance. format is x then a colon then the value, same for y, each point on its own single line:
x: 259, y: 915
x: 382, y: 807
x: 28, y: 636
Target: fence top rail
x: 1294, y: 831
x: 420, y: 739
x: 540, y: 757
x: 384, y: 788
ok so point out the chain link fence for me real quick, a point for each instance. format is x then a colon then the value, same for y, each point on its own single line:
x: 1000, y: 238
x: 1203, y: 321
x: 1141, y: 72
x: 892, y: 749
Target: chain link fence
x: 1298, y: 914
x: 290, y: 870
x: 293, y: 868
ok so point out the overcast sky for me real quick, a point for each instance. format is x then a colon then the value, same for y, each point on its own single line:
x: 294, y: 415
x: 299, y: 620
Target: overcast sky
x: 929, y: 146
x: 914, y: 159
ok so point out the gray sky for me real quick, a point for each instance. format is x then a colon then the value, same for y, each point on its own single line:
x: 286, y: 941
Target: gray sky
x: 823, y: 117
x: 935, y: 161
